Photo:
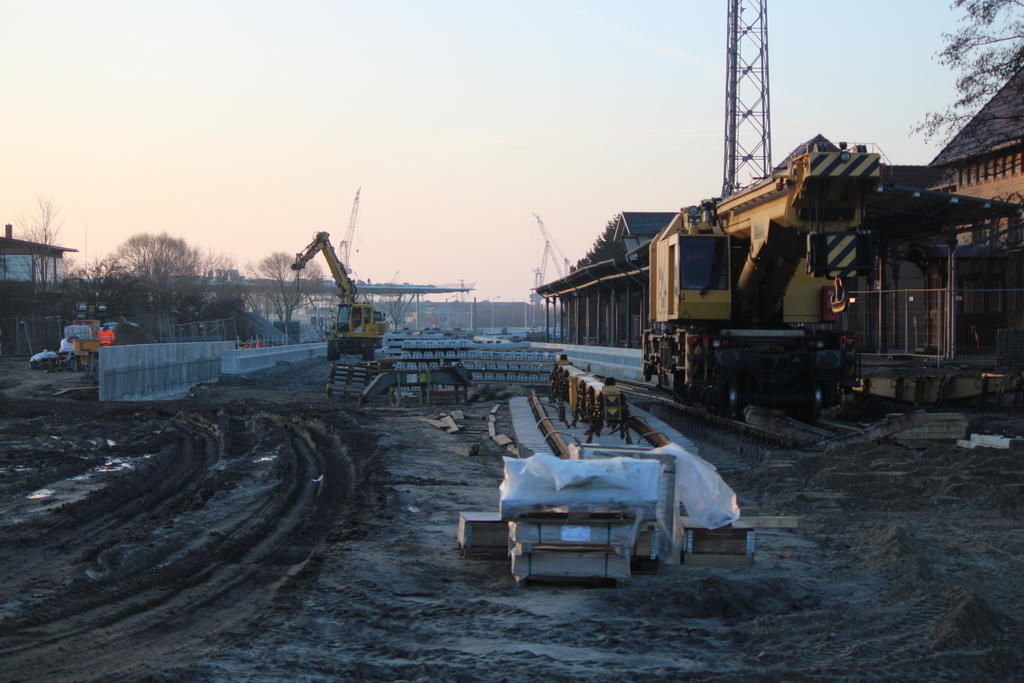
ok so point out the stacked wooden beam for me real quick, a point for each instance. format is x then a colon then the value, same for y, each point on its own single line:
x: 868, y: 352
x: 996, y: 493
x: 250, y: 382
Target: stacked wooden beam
x: 559, y: 531
x: 563, y: 546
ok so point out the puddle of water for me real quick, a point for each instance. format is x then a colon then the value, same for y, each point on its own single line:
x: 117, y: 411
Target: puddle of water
x: 116, y: 465
x: 68, y: 487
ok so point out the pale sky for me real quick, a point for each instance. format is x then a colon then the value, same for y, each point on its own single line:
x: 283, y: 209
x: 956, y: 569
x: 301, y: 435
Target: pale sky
x: 245, y: 127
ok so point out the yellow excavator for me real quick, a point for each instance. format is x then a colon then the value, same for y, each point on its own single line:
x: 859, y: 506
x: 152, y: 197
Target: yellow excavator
x: 358, y: 328
x: 739, y: 313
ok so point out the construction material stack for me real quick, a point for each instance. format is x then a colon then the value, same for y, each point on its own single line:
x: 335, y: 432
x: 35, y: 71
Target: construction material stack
x: 577, y: 519
x: 511, y: 363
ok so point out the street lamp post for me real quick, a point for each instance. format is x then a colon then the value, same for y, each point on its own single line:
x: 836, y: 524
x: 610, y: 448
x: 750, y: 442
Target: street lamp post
x: 492, y: 312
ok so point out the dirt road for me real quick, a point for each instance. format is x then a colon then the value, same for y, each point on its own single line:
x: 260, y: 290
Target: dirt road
x: 260, y: 533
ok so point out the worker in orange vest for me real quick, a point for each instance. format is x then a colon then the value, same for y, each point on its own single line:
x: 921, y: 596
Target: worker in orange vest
x: 106, y: 336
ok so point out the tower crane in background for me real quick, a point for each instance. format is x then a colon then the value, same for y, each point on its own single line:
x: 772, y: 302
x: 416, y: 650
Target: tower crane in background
x: 549, y: 250
x: 346, y: 245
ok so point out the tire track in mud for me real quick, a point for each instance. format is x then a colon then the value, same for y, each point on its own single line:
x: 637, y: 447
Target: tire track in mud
x: 195, y: 542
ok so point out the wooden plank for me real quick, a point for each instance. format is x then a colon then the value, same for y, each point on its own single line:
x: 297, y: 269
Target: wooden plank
x: 435, y: 423
x: 495, y: 409
x: 491, y: 429
x: 502, y: 440
x: 458, y: 415
x: 449, y: 424
x: 754, y: 521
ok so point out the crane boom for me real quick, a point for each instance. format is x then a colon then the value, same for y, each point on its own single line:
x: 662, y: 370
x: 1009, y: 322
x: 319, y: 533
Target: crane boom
x: 322, y: 243
x: 346, y: 245
x: 549, y: 245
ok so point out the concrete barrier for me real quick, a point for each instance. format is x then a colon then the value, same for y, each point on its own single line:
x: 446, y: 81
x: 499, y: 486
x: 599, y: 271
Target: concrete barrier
x: 601, y: 360
x: 146, y: 372
x: 244, y: 361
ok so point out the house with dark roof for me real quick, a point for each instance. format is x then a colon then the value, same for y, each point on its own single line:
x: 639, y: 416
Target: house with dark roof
x: 38, y: 265
x: 986, y: 158
x: 635, y: 228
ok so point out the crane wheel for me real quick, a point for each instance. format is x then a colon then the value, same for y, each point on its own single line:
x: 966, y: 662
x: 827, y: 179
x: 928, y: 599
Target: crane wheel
x: 333, y: 349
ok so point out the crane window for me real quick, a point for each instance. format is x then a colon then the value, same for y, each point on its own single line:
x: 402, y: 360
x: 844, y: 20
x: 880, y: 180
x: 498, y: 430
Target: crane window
x: 702, y: 262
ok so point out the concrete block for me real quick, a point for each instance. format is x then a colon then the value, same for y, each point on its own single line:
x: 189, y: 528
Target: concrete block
x: 142, y: 372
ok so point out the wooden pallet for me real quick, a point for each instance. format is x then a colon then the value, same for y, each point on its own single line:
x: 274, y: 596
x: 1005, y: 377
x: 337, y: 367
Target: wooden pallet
x: 348, y: 379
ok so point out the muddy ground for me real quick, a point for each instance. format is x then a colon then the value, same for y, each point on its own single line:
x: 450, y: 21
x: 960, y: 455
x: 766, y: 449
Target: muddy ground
x: 267, y: 533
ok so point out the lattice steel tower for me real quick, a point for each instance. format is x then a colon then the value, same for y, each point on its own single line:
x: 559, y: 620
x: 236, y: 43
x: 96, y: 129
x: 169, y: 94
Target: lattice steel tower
x: 748, y: 134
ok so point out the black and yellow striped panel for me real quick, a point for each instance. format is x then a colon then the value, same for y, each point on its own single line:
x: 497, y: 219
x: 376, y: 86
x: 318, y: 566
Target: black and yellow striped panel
x: 831, y: 164
x: 842, y: 254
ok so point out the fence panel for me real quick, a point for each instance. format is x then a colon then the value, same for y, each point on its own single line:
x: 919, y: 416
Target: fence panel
x: 917, y: 322
x: 28, y: 336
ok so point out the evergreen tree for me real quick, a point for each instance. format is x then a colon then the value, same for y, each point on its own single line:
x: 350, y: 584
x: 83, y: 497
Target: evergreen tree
x: 605, y: 247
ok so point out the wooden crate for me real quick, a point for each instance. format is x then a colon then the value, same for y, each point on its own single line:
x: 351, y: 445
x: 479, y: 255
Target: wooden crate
x: 559, y: 532
x: 733, y: 544
x: 570, y: 566
x: 483, y: 535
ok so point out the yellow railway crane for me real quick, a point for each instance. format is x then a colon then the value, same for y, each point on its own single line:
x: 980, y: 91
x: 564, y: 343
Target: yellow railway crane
x: 739, y: 311
x: 357, y: 328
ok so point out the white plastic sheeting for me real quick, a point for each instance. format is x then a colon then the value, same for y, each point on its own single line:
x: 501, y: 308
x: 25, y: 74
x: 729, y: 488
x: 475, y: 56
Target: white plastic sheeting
x: 544, y: 483
x: 708, y: 500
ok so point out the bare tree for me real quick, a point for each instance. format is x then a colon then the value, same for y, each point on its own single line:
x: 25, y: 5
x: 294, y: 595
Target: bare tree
x: 172, y: 277
x: 988, y: 51
x: 43, y: 229
x: 284, y: 289
x: 103, y: 281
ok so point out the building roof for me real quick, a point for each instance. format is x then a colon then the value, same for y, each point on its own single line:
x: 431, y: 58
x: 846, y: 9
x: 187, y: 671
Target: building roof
x: 636, y: 228
x: 8, y: 243
x: 999, y: 124
x: 392, y: 288
x: 898, y: 212
x: 914, y: 176
x: 642, y: 224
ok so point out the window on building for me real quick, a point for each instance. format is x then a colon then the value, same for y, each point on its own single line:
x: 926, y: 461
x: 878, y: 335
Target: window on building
x: 16, y: 268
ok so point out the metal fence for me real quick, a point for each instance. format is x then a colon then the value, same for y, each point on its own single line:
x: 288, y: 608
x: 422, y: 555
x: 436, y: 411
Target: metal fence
x: 206, y: 330
x: 934, y: 323
x: 166, y: 331
x: 29, y: 336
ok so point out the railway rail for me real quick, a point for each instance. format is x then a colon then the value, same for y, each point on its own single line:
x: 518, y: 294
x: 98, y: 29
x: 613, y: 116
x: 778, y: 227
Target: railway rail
x: 721, y: 431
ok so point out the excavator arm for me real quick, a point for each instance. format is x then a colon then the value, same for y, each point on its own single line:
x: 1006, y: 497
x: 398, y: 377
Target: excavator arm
x: 322, y: 243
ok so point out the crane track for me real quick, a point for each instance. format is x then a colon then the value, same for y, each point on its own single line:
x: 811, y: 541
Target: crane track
x: 198, y: 539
